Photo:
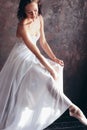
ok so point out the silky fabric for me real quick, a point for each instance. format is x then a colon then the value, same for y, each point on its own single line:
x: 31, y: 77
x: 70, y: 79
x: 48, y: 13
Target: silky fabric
x: 30, y: 99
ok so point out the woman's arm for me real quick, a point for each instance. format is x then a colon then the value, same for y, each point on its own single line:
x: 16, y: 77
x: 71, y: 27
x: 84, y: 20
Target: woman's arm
x: 45, y: 45
x: 25, y: 36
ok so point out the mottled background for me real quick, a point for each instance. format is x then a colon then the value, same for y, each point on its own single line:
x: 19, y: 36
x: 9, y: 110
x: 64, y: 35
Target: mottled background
x: 65, y: 28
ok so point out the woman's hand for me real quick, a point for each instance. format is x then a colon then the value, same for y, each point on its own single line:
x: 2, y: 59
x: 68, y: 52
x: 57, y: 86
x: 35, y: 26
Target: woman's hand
x: 59, y: 61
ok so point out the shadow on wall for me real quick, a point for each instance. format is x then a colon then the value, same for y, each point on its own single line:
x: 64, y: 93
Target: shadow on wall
x: 65, y: 28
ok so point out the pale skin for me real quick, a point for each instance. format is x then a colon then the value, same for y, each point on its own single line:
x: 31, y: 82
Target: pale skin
x: 33, y: 24
x: 36, y: 23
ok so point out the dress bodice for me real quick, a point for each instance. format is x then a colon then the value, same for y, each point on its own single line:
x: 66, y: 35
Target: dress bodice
x: 22, y: 46
x: 34, y: 38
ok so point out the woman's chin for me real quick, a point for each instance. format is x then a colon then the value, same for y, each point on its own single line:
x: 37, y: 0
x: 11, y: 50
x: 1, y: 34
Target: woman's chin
x: 34, y: 18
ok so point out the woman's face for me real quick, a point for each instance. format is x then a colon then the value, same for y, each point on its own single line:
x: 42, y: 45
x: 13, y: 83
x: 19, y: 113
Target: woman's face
x: 31, y: 10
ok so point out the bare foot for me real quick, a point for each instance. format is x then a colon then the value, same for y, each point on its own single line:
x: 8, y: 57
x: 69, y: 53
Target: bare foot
x: 74, y: 111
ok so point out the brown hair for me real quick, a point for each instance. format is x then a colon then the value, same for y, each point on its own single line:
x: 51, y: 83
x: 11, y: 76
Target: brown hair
x: 21, y: 9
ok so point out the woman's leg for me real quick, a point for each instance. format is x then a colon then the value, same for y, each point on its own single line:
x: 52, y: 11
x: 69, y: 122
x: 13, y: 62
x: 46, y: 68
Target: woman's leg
x: 76, y: 112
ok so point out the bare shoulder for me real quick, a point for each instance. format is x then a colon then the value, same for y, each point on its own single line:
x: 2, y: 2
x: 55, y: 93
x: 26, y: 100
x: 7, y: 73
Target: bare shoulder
x: 20, y: 28
x: 41, y: 21
x: 41, y: 18
x: 22, y: 24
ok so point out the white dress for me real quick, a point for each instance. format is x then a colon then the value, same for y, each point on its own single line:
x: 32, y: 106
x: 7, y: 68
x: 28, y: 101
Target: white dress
x: 30, y: 99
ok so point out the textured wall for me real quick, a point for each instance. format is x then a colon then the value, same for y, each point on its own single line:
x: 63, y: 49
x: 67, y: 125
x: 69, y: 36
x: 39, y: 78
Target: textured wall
x: 65, y: 27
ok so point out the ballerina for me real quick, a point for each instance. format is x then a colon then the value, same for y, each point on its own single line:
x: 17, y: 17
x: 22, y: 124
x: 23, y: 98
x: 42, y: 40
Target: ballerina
x: 32, y: 85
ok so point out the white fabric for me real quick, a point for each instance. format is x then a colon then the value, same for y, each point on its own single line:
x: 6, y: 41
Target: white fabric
x: 30, y: 99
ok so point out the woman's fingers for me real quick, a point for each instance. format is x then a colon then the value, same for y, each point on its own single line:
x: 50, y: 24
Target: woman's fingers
x: 61, y: 62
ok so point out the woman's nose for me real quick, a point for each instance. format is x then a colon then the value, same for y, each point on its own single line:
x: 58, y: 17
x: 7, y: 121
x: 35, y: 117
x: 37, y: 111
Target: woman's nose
x: 33, y: 14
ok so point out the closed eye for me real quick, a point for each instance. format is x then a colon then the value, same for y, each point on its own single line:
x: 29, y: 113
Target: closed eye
x: 31, y: 12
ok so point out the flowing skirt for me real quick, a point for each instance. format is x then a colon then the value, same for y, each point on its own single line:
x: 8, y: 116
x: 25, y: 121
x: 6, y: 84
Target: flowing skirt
x: 30, y: 99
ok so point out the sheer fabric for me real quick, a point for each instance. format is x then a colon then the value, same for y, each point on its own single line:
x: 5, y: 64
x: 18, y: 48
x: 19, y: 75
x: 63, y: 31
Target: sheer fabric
x: 30, y: 99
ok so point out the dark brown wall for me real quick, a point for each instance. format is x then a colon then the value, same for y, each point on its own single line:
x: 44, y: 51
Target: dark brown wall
x: 65, y: 27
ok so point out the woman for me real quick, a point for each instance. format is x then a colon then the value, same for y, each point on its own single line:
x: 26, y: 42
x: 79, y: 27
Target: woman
x: 34, y: 95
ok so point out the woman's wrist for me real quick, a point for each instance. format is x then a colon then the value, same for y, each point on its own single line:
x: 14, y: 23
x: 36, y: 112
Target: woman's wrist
x: 55, y: 59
